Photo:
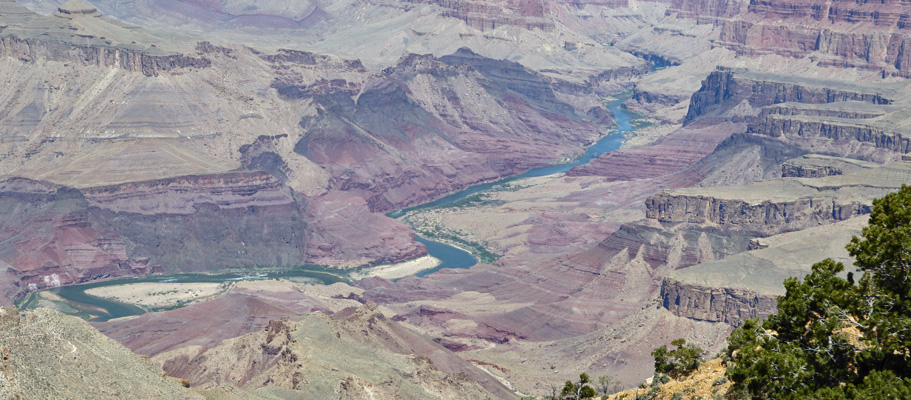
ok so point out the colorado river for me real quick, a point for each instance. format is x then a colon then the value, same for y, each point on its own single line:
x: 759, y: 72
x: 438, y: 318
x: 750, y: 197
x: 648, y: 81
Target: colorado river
x: 452, y: 257
x: 101, y: 309
x: 607, y: 144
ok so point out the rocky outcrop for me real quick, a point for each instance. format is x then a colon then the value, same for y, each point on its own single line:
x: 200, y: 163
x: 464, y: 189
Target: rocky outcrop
x: 805, y: 171
x: 101, y: 55
x: 728, y: 305
x: 838, y: 131
x: 665, y: 99
x: 816, y: 166
x: 767, y: 217
x: 725, y: 89
x: 362, y: 354
x: 46, y: 354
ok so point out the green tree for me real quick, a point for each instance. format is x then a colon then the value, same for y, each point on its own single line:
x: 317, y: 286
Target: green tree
x: 884, y: 254
x: 578, y: 390
x: 678, y: 362
x: 832, y: 337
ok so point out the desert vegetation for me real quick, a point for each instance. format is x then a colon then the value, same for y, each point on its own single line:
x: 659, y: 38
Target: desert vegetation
x: 835, y: 336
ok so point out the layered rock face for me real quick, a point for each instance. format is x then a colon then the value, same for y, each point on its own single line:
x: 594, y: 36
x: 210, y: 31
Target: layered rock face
x: 747, y: 285
x: 838, y: 33
x: 768, y: 217
x: 805, y: 221
x: 514, y: 30
x: 28, y: 41
x: 701, y: 303
x: 875, y: 142
x: 161, y: 158
x: 59, y: 235
x: 707, y: 9
x: 487, y: 118
x: 815, y: 166
x: 857, y: 120
x: 102, y: 56
x: 485, y: 15
x: 725, y: 89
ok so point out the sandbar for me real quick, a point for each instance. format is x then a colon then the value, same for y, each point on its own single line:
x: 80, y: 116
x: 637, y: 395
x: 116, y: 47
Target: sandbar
x: 160, y: 294
x: 399, y: 270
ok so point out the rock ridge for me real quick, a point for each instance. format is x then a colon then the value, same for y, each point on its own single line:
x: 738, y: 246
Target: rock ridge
x: 767, y: 217
x: 725, y: 89
x: 729, y: 305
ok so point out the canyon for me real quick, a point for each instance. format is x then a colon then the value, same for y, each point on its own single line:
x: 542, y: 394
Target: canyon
x: 144, y: 139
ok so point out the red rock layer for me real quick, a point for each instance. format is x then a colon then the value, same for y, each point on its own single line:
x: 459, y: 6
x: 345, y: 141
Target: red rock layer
x: 839, y: 33
x: 55, y: 235
x: 571, y: 295
x: 671, y: 153
x: 425, y: 127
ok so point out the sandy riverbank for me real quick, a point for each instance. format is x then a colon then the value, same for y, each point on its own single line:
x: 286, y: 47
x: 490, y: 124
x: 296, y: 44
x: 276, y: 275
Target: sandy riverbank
x: 400, y: 270
x: 160, y: 294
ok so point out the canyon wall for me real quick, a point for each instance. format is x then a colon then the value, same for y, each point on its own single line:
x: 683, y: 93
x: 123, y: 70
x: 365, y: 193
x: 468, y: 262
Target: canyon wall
x: 767, y: 217
x: 728, y: 305
x: 429, y: 126
x: 836, y: 33
x: 133, y: 60
x: 58, y: 235
x: 725, y: 89
x: 869, y: 138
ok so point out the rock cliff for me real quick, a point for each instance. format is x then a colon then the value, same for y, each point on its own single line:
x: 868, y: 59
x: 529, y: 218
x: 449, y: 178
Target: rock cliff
x: 726, y: 89
x: 864, y: 141
x: 66, y: 37
x: 714, y: 304
x: 817, y: 166
x: 60, y: 235
x: 746, y: 285
x: 839, y: 33
x: 767, y: 217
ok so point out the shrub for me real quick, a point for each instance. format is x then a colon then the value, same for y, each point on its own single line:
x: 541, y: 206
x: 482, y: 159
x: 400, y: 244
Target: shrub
x: 678, y: 362
x: 832, y: 337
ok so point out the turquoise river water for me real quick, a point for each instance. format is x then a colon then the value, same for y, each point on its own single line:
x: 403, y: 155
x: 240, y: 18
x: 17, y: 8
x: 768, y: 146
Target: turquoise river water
x: 101, y: 309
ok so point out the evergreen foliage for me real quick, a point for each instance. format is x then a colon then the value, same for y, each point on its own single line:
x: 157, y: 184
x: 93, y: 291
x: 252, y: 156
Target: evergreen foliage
x: 578, y: 390
x: 678, y: 362
x: 834, y: 338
